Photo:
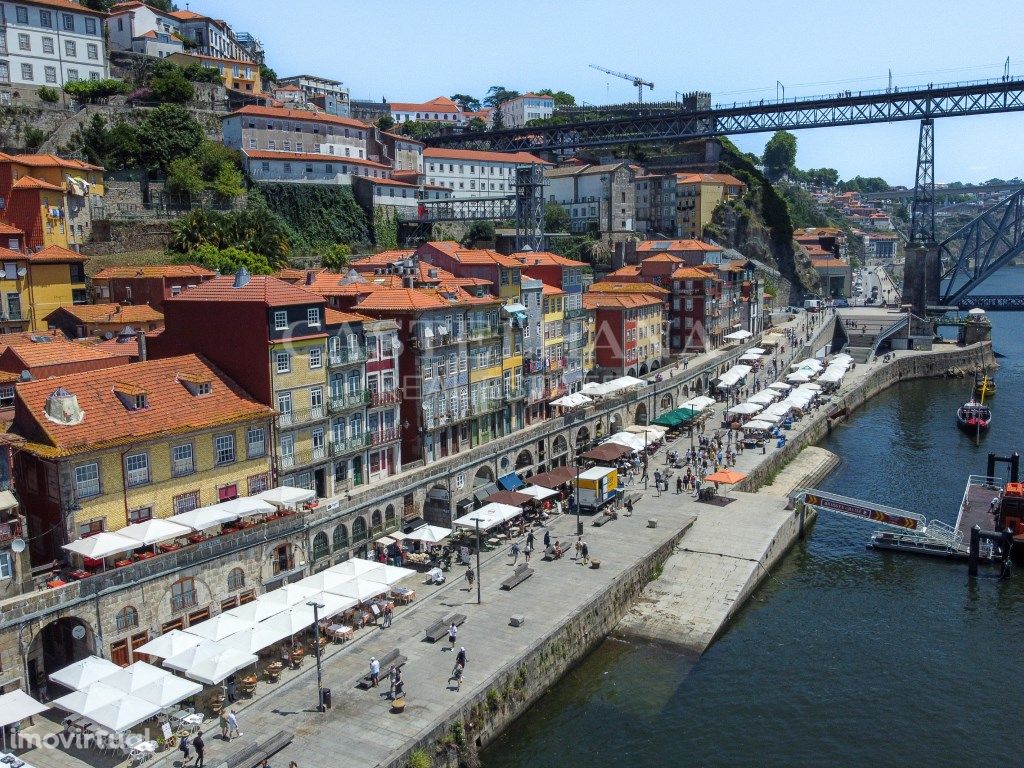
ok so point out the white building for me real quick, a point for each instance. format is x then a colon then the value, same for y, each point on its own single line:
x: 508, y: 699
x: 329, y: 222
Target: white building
x: 439, y: 110
x: 310, y: 167
x: 135, y: 26
x: 515, y: 113
x: 276, y: 129
x: 330, y: 95
x: 600, y: 198
x: 213, y: 37
x: 472, y: 173
x: 49, y: 42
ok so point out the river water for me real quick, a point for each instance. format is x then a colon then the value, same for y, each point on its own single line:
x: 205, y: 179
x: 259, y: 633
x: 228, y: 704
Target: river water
x: 845, y: 655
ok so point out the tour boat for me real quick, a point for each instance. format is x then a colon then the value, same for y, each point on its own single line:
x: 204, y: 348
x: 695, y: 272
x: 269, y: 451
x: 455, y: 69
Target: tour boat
x: 973, y: 416
x: 984, y: 386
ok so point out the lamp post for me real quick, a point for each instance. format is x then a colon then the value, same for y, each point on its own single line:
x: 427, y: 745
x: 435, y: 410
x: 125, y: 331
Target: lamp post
x: 316, y: 646
x: 576, y: 492
x: 476, y: 520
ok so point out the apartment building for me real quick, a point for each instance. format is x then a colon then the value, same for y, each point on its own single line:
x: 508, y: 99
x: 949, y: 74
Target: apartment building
x: 517, y: 112
x: 150, y: 284
x: 697, y: 196
x: 135, y: 26
x: 628, y: 333
x: 655, y: 203
x: 440, y: 110
x: 49, y: 43
x: 329, y: 95
x: 598, y: 198
x: 35, y: 283
x: 215, y: 38
x: 475, y: 173
x: 107, y: 448
x: 278, y: 129
x: 239, y: 75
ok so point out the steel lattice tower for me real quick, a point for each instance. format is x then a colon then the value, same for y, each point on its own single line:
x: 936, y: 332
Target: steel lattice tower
x: 530, y: 207
x: 922, y: 222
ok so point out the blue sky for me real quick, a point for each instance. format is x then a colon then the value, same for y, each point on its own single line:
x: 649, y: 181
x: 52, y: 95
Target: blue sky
x: 409, y: 51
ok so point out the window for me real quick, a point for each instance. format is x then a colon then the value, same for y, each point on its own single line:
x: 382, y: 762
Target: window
x: 280, y: 318
x: 140, y: 515
x: 51, y: 74
x: 316, y: 357
x: 6, y: 565
x: 183, y: 594
x: 186, y: 502
x: 224, y: 447
x: 259, y: 483
x: 87, y: 481
x: 26, y: 72
x: 321, y: 547
x: 236, y: 579
x: 24, y: 42
x: 137, y: 468
x: 284, y: 362
x: 127, y: 618
x: 92, y: 51
x: 256, y: 442
x: 21, y: 13
x: 47, y: 45
x: 7, y: 396
x: 70, y: 48
x: 340, y: 538
x: 69, y: 22
x: 90, y: 27
x: 181, y: 460
x: 73, y: 76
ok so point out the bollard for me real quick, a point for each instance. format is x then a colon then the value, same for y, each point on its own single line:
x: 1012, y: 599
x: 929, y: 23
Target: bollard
x: 975, y: 551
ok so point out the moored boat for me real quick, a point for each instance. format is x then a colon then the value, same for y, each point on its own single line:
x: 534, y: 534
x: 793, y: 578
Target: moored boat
x: 984, y: 386
x: 973, y: 416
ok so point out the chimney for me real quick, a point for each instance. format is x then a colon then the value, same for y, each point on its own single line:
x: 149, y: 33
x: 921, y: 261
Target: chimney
x: 310, y: 277
x: 140, y: 338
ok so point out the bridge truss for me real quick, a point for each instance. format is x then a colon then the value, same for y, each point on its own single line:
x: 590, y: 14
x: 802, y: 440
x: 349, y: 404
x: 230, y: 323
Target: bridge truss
x: 848, y: 108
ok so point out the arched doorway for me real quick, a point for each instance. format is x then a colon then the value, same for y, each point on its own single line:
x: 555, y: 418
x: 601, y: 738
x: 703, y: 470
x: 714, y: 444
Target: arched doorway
x: 615, y: 425
x: 685, y: 393
x: 643, y: 369
x: 559, y: 449
x: 655, y: 365
x: 641, y: 415
x: 698, y: 387
x: 631, y: 372
x: 582, y: 437
x: 524, y: 461
x: 61, y: 642
x: 484, y: 475
x: 666, y: 403
x: 438, y: 506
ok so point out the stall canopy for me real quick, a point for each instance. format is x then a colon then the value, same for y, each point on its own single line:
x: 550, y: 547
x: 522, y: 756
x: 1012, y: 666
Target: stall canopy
x: 108, y: 707
x: 286, y: 496
x: 510, y: 482
x: 759, y: 423
x: 84, y: 673
x: 608, y: 452
x: 152, y: 684
x: 555, y: 477
x: 509, y: 497
x: 489, y: 516
x: 831, y: 376
x: 764, y: 397
x: 537, y: 492
x: 171, y: 643
x: 603, y: 389
x: 429, y: 534
x: 154, y: 531
x: 733, y: 376
x: 630, y: 440
x: 675, y: 418
x: 17, y: 705
x: 781, y: 386
x: 102, y: 545
x: 756, y: 351
x: 799, y: 377
x: 750, y: 357
x: 572, y: 400
x: 777, y: 411
x: 738, y: 335
x: 746, y: 409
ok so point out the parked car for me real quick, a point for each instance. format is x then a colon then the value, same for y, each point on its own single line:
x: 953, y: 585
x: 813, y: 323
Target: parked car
x: 841, y: 303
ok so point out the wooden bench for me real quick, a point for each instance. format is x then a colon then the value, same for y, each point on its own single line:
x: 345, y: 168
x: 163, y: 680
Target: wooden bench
x: 439, y: 628
x: 519, y: 575
x: 388, y: 662
x: 604, y: 519
x: 255, y: 754
x: 549, y: 554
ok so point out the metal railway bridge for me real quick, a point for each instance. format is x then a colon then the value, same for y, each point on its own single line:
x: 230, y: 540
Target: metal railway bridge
x: 936, y: 275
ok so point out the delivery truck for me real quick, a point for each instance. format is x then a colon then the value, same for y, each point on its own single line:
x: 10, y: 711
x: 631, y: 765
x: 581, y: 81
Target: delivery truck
x: 597, y: 487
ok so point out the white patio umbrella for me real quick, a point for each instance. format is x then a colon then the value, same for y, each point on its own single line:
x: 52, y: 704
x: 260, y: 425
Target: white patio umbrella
x: 15, y: 707
x: 123, y: 713
x: 190, y: 656
x: 361, y: 589
x: 738, y: 335
x: 324, y: 580
x: 152, y: 684
x: 204, y: 517
x: 220, y: 627
x: 247, y: 505
x: 286, y: 496
x: 537, y: 492
x: 170, y: 644
x: 215, y: 669
x: 154, y: 531
x: 290, y: 622
x: 354, y: 567
x: 84, y: 673
x: 92, y: 697
x: 329, y: 604
x: 288, y: 595
x: 257, y: 610
x: 101, y: 545
x: 253, y: 640
x: 976, y: 311
x: 430, y: 534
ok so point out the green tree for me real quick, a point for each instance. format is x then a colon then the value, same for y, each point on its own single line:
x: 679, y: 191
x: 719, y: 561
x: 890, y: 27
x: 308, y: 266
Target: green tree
x: 421, y: 129
x: 95, y: 90
x: 466, y: 103
x: 476, y: 124
x: 479, y: 231
x: 227, y: 261
x: 34, y: 137
x: 212, y: 157
x: 556, y: 218
x: 336, y: 256
x: 267, y: 75
x: 865, y: 184
x: 385, y: 122
x: 823, y: 177
x: 496, y: 94
x: 385, y: 229
x: 561, y: 98
x: 229, y: 181
x: 99, y: 5
x: 183, y: 176
x: 48, y: 94
x: 779, y: 154
x: 168, y: 132
x: 497, y: 119
x: 170, y: 85
x: 197, y: 73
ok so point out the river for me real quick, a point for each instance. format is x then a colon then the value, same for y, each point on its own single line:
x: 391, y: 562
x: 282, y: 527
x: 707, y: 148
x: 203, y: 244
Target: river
x: 845, y: 655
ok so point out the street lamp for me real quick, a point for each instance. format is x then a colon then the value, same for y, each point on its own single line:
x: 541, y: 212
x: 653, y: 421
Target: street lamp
x: 316, y: 647
x: 476, y: 521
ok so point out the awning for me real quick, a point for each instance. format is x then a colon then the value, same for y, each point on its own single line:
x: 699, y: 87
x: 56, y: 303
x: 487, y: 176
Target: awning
x: 699, y: 403
x: 513, y: 308
x: 759, y: 424
x: 484, y: 491
x: 102, y: 545
x: 738, y: 335
x: 488, y: 516
x: 537, y: 492
x: 572, y: 400
x: 7, y: 500
x: 608, y: 452
x: 555, y: 477
x: 746, y: 409
x: 765, y: 397
x: 286, y: 496
x: 676, y: 417
x: 509, y: 497
x: 154, y: 531
x: 510, y: 482
x: 636, y: 442
x: 17, y: 705
x: 429, y: 534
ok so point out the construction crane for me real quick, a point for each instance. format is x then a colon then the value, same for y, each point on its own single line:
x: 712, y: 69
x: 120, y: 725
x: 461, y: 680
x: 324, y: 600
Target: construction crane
x: 639, y: 82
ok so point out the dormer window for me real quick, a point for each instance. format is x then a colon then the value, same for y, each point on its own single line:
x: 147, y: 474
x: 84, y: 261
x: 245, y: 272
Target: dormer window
x: 132, y: 397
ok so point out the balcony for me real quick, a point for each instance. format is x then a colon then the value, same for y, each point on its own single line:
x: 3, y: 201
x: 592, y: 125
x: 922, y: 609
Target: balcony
x: 10, y: 531
x: 486, y: 405
x: 302, y: 416
x: 346, y: 356
x: 385, y: 436
x: 515, y: 393
x: 301, y: 458
x: 558, y: 391
x: 572, y: 314
x: 484, y: 332
x: 184, y: 600
x: 389, y: 397
x: 343, y: 401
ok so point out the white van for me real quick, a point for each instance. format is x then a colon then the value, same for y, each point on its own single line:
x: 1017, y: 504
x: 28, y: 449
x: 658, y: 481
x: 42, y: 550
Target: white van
x: 812, y: 305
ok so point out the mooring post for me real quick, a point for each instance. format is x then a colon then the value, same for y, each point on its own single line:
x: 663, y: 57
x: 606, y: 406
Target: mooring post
x: 803, y: 508
x: 972, y: 558
x: 1007, y: 536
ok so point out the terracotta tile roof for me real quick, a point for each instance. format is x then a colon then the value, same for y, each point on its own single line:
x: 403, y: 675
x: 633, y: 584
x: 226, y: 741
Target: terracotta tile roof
x: 606, y: 286
x: 692, y: 273
x: 171, y: 407
x: 520, y: 158
x: 416, y: 299
x: 661, y: 257
x: 41, y: 349
x: 30, y: 182
x: 708, y: 178
x: 829, y: 263
x: 277, y: 113
x: 110, y: 313
x: 383, y: 258
x: 52, y: 161
x: 262, y: 154
x: 440, y: 104
x: 619, y: 301
x: 261, y: 289
x: 7, y: 229
x: 551, y: 290
x: 545, y: 258
x: 401, y: 137
x: 67, y: 5
x: 114, y: 347
x: 629, y: 270
x: 54, y: 254
x: 656, y: 246
x: 335, y: 317
x: 475, y: 256
x: 9, y: 255
x: 155, y: 270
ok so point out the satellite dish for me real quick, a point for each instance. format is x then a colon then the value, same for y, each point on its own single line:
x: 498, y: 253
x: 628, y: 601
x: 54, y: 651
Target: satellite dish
x: 22, y: 272
x: 18, y: 545
x: 78, y: 632
x: 108, y: 335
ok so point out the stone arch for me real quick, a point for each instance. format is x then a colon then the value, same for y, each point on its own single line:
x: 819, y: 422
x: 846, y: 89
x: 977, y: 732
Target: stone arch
x: 376, y: 522
x: 631, y: 372
x: 127, y: 618
x: 236, y: 579
x: 390, y: 518
x: 55, y: 647
x: 484, y: 475
x: 559, y: 446
x: 524, y: 460
x: 640, y: 417
x: 666, y: 402
x: 321, y: 546
x: 642, y: 370
x: 341, y: 540
x: 359, y: 532
x: 655, y: 365
x: 684, y: 393
x: 698, y: 386
x: 582, y: 436
x: 615, y: 423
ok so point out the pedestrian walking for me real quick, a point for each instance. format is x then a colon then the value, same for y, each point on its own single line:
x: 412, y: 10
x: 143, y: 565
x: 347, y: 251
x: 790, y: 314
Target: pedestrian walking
x: 233, y: 725
x: 388, y: 612
x: 679, y: 485
x: 186, y: 752
x: 224, y: 724
x: 469, y: 578
x: 527, y: 550
x: 515, y: 552
x: 395, y: 679
x: 453, y: 633
x: 577, y: 545
x: 529, y: 540
x: 585, y: 552
x: 200, y: 747
x: 374, y: 672
x: 547, y: 539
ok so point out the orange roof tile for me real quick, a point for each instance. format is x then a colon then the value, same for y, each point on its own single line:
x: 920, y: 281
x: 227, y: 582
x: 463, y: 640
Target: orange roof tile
x: 546, y: 258
x: 155, y: 270
x: 41, y: 349
x: 171, y: 407
x: 829, y: 263
x: 478, y: 256
x: 67, y: 5
x: 617, y: 301
x: 30, y: 182
x: 692, y: 273
x: 54, y: 254
x: 660, y: 257
x: 52, y: 161
x: 415, y: 299
x: 708, y: 178
x: 335, y: 317
x: 440, y: 104
x: 607, y: 286
x: 7, y: 229
x: 551, y: 290
x: 261, y: 154
x: 657, y: 246
x: 110, y: 313
x: 520, y: 158
x: 261, y: 289
x: 253, y: 110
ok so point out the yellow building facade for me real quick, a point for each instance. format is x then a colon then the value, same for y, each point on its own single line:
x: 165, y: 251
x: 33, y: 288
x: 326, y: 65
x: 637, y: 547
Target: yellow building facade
x: 554, y: 340
x: 243, y: 76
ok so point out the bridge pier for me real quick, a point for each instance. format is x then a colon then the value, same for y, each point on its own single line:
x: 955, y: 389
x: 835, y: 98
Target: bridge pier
x: 921, y: 276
